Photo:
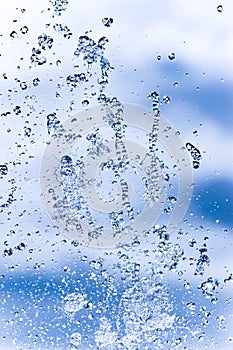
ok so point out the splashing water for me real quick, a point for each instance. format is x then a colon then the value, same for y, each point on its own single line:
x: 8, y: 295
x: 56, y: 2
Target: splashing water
x: 127, y: 304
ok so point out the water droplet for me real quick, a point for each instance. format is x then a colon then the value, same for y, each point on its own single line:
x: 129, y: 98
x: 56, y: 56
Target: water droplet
x: 23, y: 85
x: 220, y: 8
x: 166, y: 99
x: 52, y: 122
x: 107, y: 21
x: 8, y: 252
x: 36, y: 59
x: 76, y: 79
x: 192, y: 242
x: 59, y: 6
x: 63, y: 29
x: 75, y: 340
x: 13, y: 34
x: 74, y: 302
x: 3, y: 169
x: 208, y: 287
x: 45, y: 41
x: 24, y: 30
x: 195, y: 153
x: 172, y: 56
x: 36, y: 81
x: 21, y: 246
x: 17, y: 110
x: 85, y: 103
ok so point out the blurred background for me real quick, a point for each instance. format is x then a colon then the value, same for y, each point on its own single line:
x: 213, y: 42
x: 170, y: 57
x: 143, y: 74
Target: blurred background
x: 56, y: 294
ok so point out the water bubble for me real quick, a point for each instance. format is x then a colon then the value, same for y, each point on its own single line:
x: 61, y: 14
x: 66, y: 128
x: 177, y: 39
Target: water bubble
x: 220, y: 8
x: 107, y: 21
x: 172, y: 56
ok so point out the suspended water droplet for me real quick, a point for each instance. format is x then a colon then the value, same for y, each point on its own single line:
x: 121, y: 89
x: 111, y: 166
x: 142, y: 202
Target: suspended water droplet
x: 24, y: 30
x: 220, y: 8
x: 17, y: 110
x: 107, y: 21
x: 52, y: 122
x: 75, y: 340
x: 76, y: 79
x: 13, y: 34
x: 59, y: 6
x: 23, y: 85
x: 3, y: 169
x: 63, y: 29
x: 172, y: 56
x: 36, y: 81
x: 85, y: 103
x: 166, y: 99
x: 45, y: 41
x: 74, y: 302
